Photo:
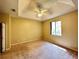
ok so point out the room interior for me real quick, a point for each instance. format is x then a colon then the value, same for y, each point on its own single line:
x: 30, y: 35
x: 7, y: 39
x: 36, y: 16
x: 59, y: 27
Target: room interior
x: 30, y: 22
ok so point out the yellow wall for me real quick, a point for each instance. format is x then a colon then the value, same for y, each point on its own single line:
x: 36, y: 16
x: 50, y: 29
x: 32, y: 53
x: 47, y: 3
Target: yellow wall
x: 69, y: 36
x: 19, y: 30
x: 25, y: 30
x: 6, y: 19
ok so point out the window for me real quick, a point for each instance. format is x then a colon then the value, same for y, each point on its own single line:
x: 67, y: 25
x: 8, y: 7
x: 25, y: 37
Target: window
x: 56, y: 28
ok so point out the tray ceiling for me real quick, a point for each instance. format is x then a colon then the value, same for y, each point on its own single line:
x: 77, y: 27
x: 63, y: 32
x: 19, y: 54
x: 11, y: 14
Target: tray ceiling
x: 24, y: 8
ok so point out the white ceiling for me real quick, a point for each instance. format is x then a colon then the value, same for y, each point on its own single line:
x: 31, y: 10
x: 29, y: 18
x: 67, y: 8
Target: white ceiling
x: 24, y: 8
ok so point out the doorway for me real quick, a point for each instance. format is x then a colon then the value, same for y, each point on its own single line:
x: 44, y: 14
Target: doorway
x: 2, y: 37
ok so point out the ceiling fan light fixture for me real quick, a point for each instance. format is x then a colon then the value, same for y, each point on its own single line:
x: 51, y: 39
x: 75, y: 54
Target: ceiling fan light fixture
x: 39, y: 15
x: 40, y: 12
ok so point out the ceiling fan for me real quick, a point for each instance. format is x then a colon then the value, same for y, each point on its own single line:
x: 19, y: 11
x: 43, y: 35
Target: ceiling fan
x: 38, y: 8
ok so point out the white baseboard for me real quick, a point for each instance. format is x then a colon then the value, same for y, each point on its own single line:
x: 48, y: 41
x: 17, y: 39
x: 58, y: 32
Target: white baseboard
x: 7, y: 49
x: 17, y: 43
x: 22, y: 42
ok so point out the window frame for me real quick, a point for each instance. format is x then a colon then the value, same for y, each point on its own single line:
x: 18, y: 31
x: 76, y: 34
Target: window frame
x: 55, y: 29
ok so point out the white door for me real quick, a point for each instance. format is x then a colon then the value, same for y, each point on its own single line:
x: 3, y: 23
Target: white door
x: 3, y: 37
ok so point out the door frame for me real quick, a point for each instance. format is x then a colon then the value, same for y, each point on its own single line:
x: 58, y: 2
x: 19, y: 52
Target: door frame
x: 3, y: 37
